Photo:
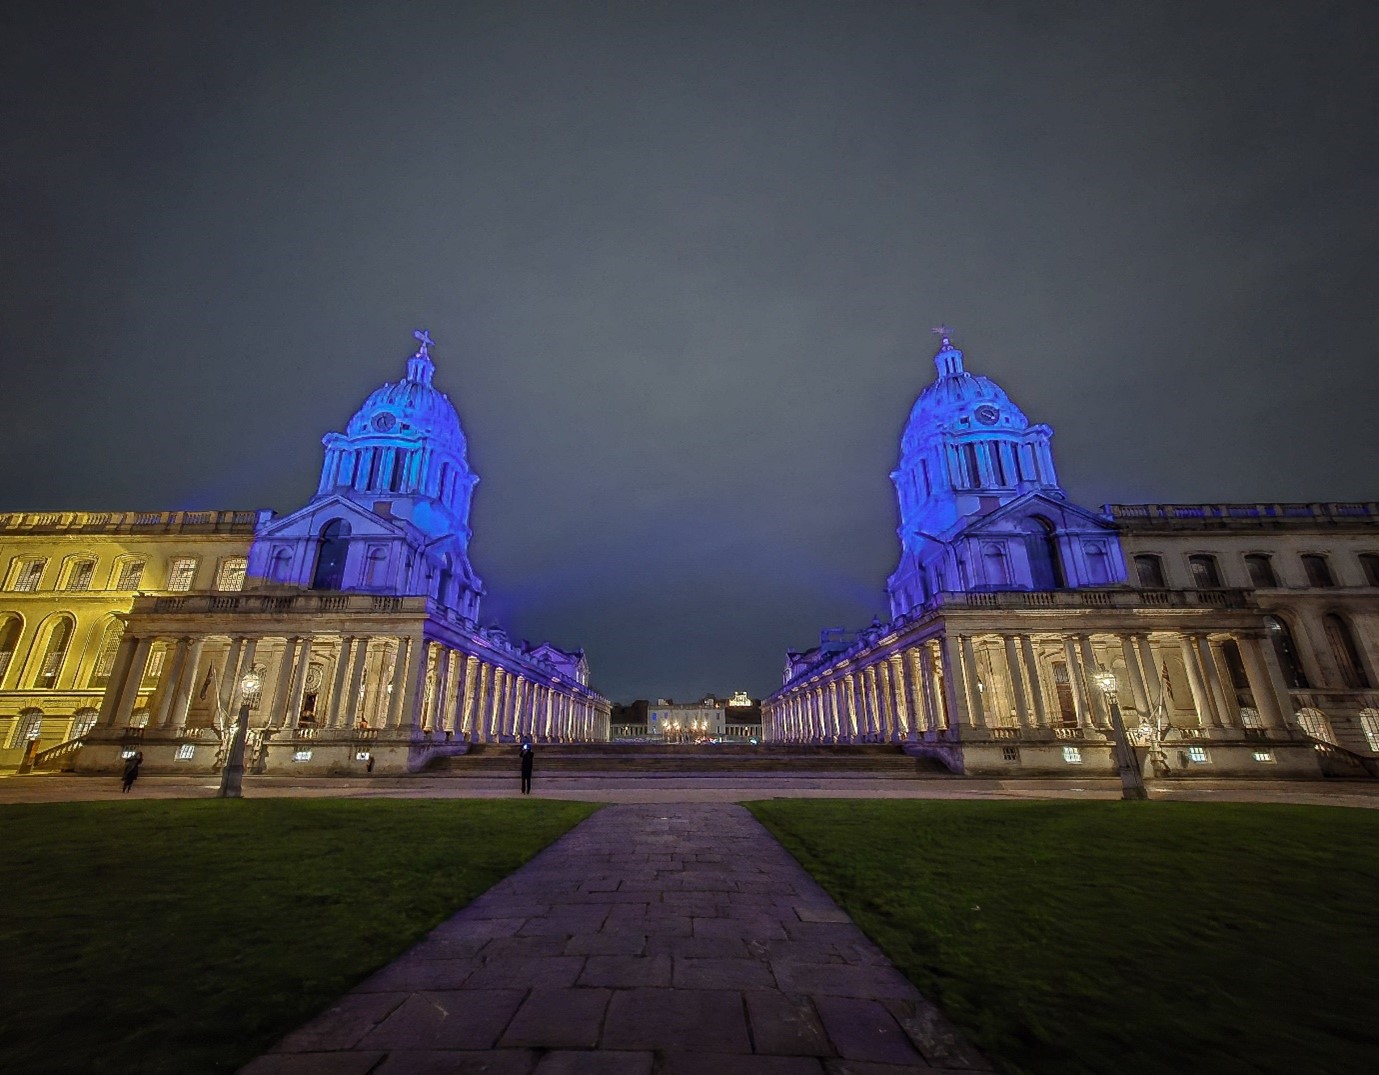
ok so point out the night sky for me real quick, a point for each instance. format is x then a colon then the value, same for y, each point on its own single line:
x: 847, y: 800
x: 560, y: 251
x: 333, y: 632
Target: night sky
x: 681, y: 261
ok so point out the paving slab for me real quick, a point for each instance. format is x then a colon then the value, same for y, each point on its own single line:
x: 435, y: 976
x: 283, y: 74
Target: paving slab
x: 649, y: 940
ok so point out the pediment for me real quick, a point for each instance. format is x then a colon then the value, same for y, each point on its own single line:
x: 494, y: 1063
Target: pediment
x: 1012, y: 517
x: 307, y: 522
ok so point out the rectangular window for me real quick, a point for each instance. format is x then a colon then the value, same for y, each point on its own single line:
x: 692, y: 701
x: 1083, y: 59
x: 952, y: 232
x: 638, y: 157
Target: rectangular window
x: 1264, y: 755
x: 1203, y: 570
x: 1369, y: 563
x: 1150, y: 570
x: 969, y: 459
x: 230, y: 577
x: 182, y: 574
x: 131, y: 574
x: 1369, y: 724
x: 1010, y: 754
x: 1197, y: 755
x: 302, y: 755
x: 1262, y: 575
x: 1318, y: 571
x: 1072, y: 755
x: 998, y: 463
x: 29, y: 575
x: 186, y: 752
x: 80, y: 576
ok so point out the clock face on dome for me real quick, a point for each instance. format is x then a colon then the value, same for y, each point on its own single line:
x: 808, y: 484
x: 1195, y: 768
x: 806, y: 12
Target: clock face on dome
x: 384, y: 422
x: 988, y: 415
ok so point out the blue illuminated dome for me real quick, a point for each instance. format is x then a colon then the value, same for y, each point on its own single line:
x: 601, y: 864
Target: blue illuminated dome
x: 412, y: 406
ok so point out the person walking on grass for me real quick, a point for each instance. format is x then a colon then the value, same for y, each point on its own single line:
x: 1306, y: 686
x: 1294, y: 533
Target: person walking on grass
x: 131, y: 769
x: 528, y: 755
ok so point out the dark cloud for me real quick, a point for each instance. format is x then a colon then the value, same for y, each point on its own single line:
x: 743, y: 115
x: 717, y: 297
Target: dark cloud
x: 681, y: 260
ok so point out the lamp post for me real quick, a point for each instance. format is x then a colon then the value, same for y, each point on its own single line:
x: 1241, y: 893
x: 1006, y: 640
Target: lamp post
x: 1131, y: 780
x: 232, y: 776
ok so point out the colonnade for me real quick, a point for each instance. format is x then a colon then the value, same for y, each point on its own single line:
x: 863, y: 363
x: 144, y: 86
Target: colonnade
x: 397, y: 682
x: 1022, y: 681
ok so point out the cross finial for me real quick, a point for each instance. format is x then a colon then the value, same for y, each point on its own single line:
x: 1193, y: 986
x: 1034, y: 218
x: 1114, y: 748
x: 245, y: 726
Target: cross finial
x: 943, y: 332
x: 424, y: 338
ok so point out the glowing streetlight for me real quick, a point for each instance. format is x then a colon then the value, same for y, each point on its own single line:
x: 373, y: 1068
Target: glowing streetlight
x: 1131, y: 780
x: 232, y: 776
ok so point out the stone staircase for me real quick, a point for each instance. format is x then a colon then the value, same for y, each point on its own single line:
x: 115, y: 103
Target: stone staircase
x: 637, y: 759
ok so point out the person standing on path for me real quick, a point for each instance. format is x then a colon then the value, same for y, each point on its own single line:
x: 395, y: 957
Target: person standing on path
x: 131, y: 769
x: 528, y: 755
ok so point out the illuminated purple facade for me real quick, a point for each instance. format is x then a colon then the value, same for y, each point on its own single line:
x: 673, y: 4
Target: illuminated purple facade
x: 980, y: 504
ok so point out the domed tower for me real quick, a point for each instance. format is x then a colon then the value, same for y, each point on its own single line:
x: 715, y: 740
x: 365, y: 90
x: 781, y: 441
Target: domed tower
x: 980, y: 503
x: 391, y: 512
x: 405, y: 447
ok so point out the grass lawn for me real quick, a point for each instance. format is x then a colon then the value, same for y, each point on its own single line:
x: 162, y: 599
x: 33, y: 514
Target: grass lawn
x: 187, y: 936
x: 1118, y: 937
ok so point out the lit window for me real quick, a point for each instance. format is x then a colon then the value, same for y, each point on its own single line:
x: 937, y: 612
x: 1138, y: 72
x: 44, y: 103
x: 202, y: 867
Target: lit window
x: 59, y: 638
x: 83, y: 724
x: 1197, y: 755
x: 1369, y: 724
x: 79, y: 575
x: 186, y: 752
x: 231, y: 574
x: 302, y: 755
x: 1264, y: 755
x: 131, y: 574
x: 1072, y: 755
x: 27, y: 728
x: 127, y: 752
x: 182, y: 574
x: 29, y: 575
x: 105, y: 657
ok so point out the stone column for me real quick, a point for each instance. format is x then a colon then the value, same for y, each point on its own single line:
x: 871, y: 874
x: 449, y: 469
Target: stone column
x: 351, y: 700
x: 924, y: 670
x: 971, y: 677
x: 1257, y: 675
x: 299, y: 673
x: 114, y: 686
x: 1017, y: 682
x: 181, y: 701
x: 227, y: 686
x: 954, y: 689
x: 337, y: 690
x: 282, y: 683
x: 129, y: 690
x: 1277, y: 682
x: 1036, y: 688
x: 1077, y: 683
x: 1132, y: 669
x: 898, y: 720
x: 1096, y: 700
x: 414, y: 686
x: 440, y: 715
x: 1225, y: 709
x: 1200, y: 701
x: 397, y: 699
x: 172, y: 683
x: 1153, y: 678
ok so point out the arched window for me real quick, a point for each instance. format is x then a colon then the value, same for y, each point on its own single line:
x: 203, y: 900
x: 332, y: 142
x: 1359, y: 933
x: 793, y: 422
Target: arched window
x: 1343, y: 651
x: 1287, y: 653
x: 83, y: 720
x: 330, y: 557
x: 27, y: 728
x: 10, y: 629
x: 1261, y: 571
x: 129, y: 574
x: 1150, y: 570
x: 1046, y: 565
x: 1369, y: 724
x: 1204, y: 572
x: 376, y: 567
x: 1315, y: 723
x: 105, y: 656
x: 54, y: 654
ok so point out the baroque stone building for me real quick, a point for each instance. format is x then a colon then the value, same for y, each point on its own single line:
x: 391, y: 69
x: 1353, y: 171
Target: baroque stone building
x: 1244, y: 638
x: 358, y: 612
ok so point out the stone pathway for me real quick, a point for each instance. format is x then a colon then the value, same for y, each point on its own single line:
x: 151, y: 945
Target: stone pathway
x: 649, y: 940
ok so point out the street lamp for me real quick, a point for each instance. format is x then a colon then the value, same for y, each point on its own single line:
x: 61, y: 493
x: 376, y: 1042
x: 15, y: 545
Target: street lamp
x: 232, y: 776
x: 1131, y: 780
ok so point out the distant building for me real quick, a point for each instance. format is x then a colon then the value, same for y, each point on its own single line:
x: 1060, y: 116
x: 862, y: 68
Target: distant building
x: 1244, y: 638
x: 735, y: 719
x: 124, y: 631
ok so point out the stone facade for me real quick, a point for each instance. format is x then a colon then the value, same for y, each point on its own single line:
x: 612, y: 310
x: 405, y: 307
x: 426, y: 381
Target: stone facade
x: 1244, y: 638
x: 357, y: 614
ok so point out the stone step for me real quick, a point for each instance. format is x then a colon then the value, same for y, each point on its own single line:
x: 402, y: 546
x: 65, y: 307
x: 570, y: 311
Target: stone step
x: 882, y: 760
